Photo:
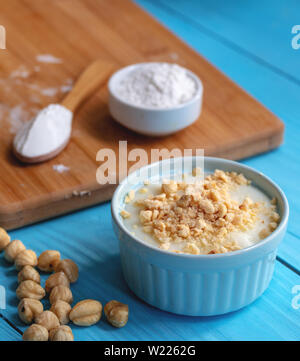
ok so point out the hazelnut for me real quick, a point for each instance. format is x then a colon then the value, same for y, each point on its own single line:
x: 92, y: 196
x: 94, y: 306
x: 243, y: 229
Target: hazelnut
x: 48, y: 260
x: 55, y: 280
x: 30, y: 289
x: 4, y: 239
x: 28, y: 309
x: 61, y: 333
x: 25, y: 258
x: 69, y: 268
x: 36, y: 333
x: 169, y: 187
x: 62, y: 293
x: 86, y: 313
x: 47, y: 319
x: 13, y: 249
x: 116, y: 313
x: 61, y: 309
x: 29, y: 273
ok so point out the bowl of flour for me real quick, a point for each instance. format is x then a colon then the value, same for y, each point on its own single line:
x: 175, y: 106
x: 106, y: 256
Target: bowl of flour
x: 155, y: 99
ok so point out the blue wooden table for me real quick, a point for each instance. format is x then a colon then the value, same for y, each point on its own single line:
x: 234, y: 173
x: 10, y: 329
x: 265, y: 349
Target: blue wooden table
x: 250, y: 41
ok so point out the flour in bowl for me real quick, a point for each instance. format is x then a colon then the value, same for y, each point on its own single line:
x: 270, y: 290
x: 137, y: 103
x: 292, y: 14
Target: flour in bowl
x: 157, y: 85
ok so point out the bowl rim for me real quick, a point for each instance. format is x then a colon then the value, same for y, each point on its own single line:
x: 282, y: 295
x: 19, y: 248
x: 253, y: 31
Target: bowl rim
x: 196, y: 97
x: 278, y: 230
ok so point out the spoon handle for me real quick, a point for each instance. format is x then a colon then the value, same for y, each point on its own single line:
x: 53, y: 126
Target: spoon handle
x: 95, y: 75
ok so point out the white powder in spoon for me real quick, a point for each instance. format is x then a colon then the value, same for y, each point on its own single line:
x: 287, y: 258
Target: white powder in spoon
x: 49, y: 130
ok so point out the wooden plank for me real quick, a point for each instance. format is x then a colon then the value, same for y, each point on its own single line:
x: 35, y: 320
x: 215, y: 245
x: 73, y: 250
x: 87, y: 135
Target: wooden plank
x: 88, y: 239
x: 276, y: 92
x: 232, y: 125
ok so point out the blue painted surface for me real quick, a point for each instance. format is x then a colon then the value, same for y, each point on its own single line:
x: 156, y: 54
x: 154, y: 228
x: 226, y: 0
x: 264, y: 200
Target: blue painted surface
x: 87, y: 238
x: 250, y: 42
x: 8, y: 333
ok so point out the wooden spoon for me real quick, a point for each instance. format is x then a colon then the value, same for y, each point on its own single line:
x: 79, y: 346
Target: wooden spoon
x: 94, y: 76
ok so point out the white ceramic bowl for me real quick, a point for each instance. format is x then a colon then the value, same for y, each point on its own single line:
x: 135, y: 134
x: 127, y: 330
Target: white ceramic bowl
x: 153, y: 121
x: 198, y: 285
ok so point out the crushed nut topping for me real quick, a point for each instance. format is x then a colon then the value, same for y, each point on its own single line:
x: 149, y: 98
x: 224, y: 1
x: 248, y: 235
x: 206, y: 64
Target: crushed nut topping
x: 124, y: 214
x: 130, y: 196
x: 201, y: 216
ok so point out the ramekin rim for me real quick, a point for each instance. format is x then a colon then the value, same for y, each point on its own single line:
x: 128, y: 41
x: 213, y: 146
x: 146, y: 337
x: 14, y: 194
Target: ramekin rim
x: 282, y: 224
x: 198, y: 95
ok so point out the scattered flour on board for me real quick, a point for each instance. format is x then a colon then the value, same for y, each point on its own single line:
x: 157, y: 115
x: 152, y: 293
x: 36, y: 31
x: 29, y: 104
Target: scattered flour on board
x: 66, y: 88
x: 17, y: 116
x: 48, y: 58
x: 174, y: 56
x: 60, y: 168
x: 14, y: 116
x: 49, y: 92
x: 21, y: 72
x: 52, y: 91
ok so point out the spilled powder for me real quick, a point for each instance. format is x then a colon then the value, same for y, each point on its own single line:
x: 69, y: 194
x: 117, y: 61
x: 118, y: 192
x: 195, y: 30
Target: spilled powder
x: 49, y: 92
x: 17, y: 117
x: 66, y: 88
x: 48, y: 58
x: 14, y: 116
x: 174, y: 56
x: 60, y: 168
x: 21, y: 72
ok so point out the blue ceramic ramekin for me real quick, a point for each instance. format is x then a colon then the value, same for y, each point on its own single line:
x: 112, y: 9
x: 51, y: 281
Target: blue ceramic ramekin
x: 198, y: 285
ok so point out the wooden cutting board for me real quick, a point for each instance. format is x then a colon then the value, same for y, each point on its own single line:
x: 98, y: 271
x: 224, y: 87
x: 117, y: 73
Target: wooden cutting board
x: 232, y: 124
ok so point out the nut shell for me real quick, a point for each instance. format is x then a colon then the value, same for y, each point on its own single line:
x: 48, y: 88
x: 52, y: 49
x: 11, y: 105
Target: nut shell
x: 47, y: 319
x: 48, y: 260
x: 4, y: 239
x: 28, y: 309
x: 116, y: 313
x: 25, y: 258
x: 61, y: 333
x: 56, y: 279
x: 36, y: 333
x: 61, y: 309
x: 13, y: 249
x: 29, y: 273
x: 86, y: 313
x: 62, y: 293
x: 30, y: 289
x: 69, y: 268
